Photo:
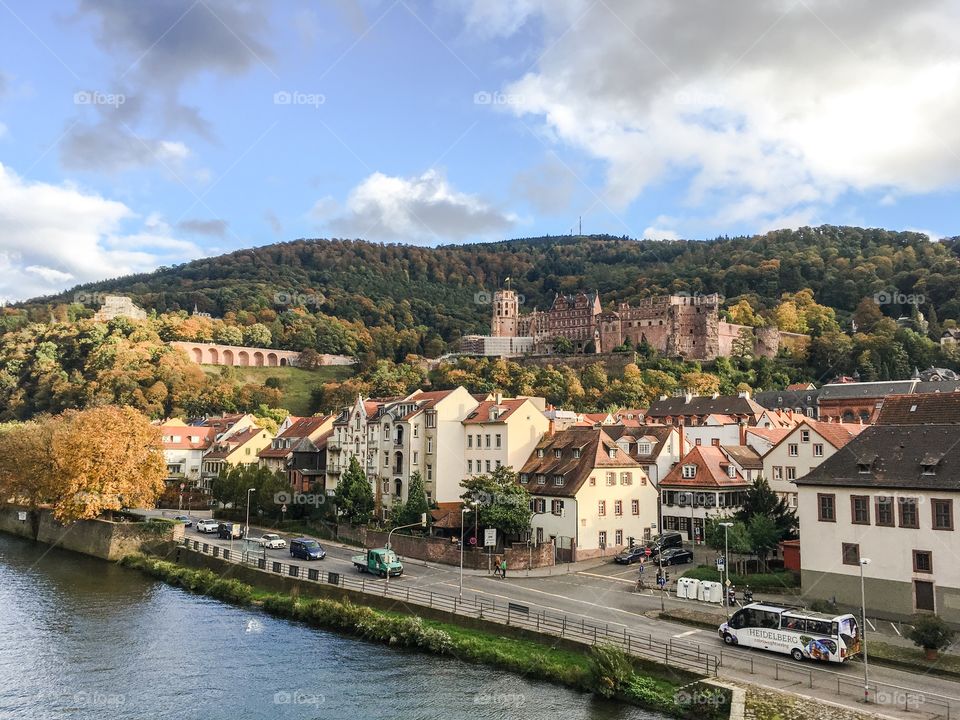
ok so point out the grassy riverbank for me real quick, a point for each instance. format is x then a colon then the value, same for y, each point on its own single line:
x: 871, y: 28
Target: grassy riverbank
x: 605, y: 671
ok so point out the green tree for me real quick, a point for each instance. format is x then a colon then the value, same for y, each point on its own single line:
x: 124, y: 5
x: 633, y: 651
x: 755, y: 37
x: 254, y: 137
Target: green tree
x: 931, y: 633
x: 562, y: 346
x: 761, y: 500
x: 764, y: 536
x: 501, y: 501
x: 353, y: 496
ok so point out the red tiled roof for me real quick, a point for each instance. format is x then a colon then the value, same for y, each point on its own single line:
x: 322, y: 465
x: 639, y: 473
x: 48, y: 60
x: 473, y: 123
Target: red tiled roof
x: 205, y: 436
x: 480, y: 415
x: 712, y: 471
x: 927, y: 409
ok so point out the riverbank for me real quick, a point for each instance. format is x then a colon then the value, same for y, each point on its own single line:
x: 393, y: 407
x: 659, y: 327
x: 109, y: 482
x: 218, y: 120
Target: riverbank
x: 604, y: 671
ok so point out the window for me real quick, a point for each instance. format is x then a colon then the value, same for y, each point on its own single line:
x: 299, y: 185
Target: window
x: 469, y: 466
x: 612, y: 452
x: 498, y: 463
x: 430, y: 419
x: 731, y: 471
x: 884, y: 511
x: 860, y: 509
x: 826, y: 508
x: 429, y: 472
x: 499, y: 440
x: 486, y: 464
x: 539, y: 452
x: 689, y: 471
x: 558, y: 479
x: 863, y: 468
x: 697, y: 441
x: 576, y: 452
x: 804, y: 436
x: 618, y: 537
x: 793, y: 449
x: 593, y: 482
x: 487, y: 438
x: 635, y: 507
x: 909, y: 517
x: 777, y: 472
x: 626, y: 478
x: 386, y: 487
x: 524, y: 477
x: 416, y: 430
x: 602, y: 508
x: 851, y: 554
x: 618, y: 507
x: 922, y: 561
x: 643, y: 448
x: 416, y: 458
x: 818, y: 449
x: 540, y: 505
x: 603, y: 538
x: 611, y: 479
x: 386, y: 459
x: 791, y: 473
x: 541, y: 479
x: 557, y: 452
x: 469, y: 440
x: 556, y: 507
x: 715, y: 442
x: 942, y: 514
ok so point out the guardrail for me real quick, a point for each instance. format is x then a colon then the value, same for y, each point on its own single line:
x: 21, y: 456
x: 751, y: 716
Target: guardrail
x: 642, y: 645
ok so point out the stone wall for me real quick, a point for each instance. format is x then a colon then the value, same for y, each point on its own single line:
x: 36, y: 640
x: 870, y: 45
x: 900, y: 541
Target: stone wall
x: 100, y: 538
x: 445, y: 552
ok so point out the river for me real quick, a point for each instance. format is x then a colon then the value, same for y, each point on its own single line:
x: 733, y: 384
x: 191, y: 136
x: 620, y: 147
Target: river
x: 86, y: 639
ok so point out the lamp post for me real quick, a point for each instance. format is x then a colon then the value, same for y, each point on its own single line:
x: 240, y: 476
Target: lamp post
x: 463, y: 511
x: 726, y: 567
x: 422, y: 523
x: 863, y: 632
x: 246, y: 527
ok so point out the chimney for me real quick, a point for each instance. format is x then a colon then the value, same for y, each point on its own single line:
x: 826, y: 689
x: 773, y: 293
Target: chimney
x: 745, y: 394
x: 498, y: 398
x: 683, y: 449
x: 551, y: 429
x: 743, y: 433
x: 687, y: 396
x: 663, y: 397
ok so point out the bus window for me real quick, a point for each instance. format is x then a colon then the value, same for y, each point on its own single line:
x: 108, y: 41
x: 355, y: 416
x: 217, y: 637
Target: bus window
x: 792, y: 623
x: 766, y: 619
x: 739, y: 620
x: 818, y: 627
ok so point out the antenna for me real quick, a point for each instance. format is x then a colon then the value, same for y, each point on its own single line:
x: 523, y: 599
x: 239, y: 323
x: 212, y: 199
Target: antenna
x: 580, y: 221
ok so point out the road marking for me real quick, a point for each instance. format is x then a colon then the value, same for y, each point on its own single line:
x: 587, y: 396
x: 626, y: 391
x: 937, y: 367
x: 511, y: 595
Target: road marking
x: 872, y: 626
x: 685, y: 634
x: 606, y: 577
x: 896, y: 630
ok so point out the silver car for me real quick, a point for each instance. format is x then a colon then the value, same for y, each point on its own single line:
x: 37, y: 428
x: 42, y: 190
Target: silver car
x: 273, y: 541
x: 207, y: 526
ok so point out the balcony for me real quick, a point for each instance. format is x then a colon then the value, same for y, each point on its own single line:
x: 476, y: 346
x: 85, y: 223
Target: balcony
x: 333, y: 444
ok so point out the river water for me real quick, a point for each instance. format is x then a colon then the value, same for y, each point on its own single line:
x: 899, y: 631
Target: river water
x: 86, y: 639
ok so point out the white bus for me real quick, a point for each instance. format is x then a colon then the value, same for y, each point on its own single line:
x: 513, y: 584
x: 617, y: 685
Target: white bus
x: 799, y: 633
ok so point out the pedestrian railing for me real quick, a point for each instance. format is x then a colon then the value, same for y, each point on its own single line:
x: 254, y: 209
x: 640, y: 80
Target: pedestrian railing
x: 642, y: 645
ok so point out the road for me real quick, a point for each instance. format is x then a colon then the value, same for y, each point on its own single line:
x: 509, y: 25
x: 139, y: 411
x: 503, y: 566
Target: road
x: 606, y: 594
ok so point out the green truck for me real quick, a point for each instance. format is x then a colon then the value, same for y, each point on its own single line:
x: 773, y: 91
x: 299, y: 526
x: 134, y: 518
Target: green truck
x: 379, y: 561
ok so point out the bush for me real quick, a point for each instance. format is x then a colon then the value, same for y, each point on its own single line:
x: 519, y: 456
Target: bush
x: 612, y: 670
x: 930, y: 632
x: 824, y: 606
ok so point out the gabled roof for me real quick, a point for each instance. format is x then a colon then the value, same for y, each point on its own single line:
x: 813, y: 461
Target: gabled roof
x: 712, y: 472
x: 204, y: 435
x: 837, y: 434
x: 594, y: 447
x: 860, y: 390
x: 932, y: 408
x: 656, y: 435
x: 703, y: 405
x: 892, y: 456
x: 223, y: 448
x: 480, y: 415
x: 744, y: 455
x: 772, y: 435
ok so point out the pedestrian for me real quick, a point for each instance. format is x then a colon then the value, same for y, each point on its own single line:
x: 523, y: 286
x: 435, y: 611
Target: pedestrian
x: 496, y: 570
x: 503, y: 570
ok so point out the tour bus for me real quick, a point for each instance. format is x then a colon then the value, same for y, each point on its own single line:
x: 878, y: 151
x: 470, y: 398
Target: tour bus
x: 799, y: 633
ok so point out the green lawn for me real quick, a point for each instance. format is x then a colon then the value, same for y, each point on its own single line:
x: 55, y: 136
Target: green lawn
x: 296, y: 383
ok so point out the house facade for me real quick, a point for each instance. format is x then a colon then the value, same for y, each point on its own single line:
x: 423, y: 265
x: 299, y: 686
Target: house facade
x: 183, y: 449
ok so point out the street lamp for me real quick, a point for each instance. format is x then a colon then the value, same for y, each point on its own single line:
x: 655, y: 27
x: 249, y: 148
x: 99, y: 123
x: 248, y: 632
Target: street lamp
x: 863, y: 633
x: 246, y: 527
x: 422, y: 523
x: 726, y: 566
x: 463, y: 511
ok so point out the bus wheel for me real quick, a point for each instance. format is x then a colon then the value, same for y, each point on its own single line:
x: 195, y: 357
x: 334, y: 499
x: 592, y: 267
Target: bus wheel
x: 797, y: 654
x: 729, y: 639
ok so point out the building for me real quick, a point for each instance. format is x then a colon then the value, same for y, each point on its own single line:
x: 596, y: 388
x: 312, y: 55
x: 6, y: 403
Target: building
x: 861, y: 401
x: 707, y: 482
x: 238, y: 448
x: 890, y: 496
x: 183, y: 449
x: 496, y: 346
x: 802, y: 400
x: 307, y: 465
x: 280, y: 451
x: 691, y: 410
x: 801, y: 450
x: 349, y: 440
x: 115, y: 306
x: 503, y: 432
x: 588, y: 495
x: 681, y: 325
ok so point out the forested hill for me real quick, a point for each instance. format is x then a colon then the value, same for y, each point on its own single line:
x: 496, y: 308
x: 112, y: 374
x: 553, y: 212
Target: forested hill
x: 437, y: 293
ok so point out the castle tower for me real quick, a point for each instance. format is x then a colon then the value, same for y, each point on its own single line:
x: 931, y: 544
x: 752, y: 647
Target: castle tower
x: 506, y: 309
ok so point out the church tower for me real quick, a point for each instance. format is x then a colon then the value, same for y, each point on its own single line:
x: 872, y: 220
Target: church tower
x: 506, y: 309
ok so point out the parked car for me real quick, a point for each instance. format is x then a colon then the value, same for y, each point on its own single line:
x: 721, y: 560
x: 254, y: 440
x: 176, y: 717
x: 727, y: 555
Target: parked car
x: 273, y: 541
x: 630, y: 555
x: 227, y: 530
x: 307, y: 549
x: 675, y: 556
x: 187, y: 522
x: 208, y: 526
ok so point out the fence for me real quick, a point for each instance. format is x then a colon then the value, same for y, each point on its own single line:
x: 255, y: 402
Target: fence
x: 641, y: 645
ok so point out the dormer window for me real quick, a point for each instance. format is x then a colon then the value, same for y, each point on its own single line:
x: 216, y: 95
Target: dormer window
x: 929, y: 469
x: 558, y: 479
x: 557, y: 453
x: 612, y: 452
x: 576, y: 452
x: 643, y: 448
x: 731, y: 471
x: 539, y: 452
x: 863, y: 468
x: 689, y: 471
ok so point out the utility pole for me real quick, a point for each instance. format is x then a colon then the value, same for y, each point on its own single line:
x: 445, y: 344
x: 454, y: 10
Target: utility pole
x: 863, y: 633
x: 726, y: 567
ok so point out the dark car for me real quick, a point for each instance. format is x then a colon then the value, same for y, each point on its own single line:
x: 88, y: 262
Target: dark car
x: 307, y: 549
x: 630, y: 555
x: 227, y: 530
x: 187, y: 522
x: 675, y: 556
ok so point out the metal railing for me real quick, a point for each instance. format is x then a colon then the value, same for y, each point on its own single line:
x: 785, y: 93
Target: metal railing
x: 641, y: 645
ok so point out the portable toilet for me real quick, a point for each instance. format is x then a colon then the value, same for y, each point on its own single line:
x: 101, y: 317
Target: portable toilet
x: 688, y: 588
x: 710, y: 591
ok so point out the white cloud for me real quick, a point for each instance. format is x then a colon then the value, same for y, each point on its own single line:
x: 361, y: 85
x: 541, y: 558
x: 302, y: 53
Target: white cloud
x: 655, y: 233
x: 55, y: 236
x: 418, y: 209
x: 769, y: 108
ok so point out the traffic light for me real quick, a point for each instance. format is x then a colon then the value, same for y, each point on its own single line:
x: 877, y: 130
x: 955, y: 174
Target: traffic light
x: 630, y: 540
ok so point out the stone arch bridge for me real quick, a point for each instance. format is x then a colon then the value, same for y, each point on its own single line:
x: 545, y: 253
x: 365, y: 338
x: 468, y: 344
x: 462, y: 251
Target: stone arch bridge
x: 212, y: 354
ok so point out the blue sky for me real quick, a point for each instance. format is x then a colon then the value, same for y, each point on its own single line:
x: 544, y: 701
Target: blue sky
x: 134, y: 135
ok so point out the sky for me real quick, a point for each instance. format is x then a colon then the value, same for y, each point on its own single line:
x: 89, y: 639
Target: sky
x: 141, y: 134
